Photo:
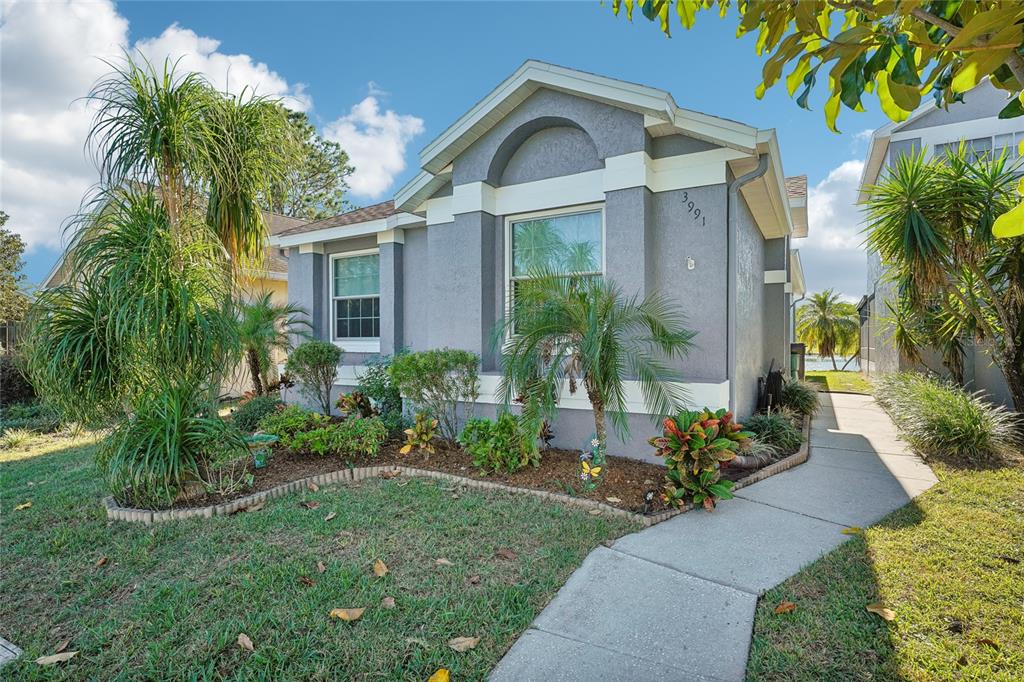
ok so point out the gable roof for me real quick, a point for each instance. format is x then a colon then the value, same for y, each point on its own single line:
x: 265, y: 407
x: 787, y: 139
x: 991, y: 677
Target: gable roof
x: 359, y: 215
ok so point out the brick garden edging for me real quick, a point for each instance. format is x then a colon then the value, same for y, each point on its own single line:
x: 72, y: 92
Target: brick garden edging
x: 148, y: 516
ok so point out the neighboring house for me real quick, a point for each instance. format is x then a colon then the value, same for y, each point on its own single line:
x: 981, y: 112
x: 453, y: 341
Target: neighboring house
x: 931, y: 129
x: 642, y: 191
x: 273, y: 278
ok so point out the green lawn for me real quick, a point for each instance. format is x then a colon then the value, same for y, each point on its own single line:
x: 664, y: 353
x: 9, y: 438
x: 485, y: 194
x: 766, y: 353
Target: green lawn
x: 171, y: 600
x: 951, y: 566
x: 845, y: 382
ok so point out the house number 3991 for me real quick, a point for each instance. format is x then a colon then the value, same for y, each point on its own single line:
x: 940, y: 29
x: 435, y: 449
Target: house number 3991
x: 693, y: 210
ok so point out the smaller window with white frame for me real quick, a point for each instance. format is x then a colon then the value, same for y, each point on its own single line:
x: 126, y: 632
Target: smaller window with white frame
x: 355, y: 295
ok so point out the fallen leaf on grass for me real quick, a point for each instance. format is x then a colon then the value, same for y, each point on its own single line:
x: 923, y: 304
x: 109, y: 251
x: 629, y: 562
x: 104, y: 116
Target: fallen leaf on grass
x: 380, y: 569
x: 330, y: 516
x: 988, y: 642
x: 463, y: 644
x: 245, y: 642
x: 313, y: 487
x: 308, y: 582
x: 347, y: 615
x: 442, y: 675
x: 785, y: 607
x: 884, y: 612
x: 852, y: 530
x: 474, y: 580
x: 388, y: 602
x: 101, y: 561
x: 62, y: 646
x: 613, y: 500
x: 255, y: 507
x: 311, y: 505
x: 443, y: 562
x: 320, y: 567
x: 506, y: 553
x: 56, y: 658
x: 23, y: 505
x: 594, y: 512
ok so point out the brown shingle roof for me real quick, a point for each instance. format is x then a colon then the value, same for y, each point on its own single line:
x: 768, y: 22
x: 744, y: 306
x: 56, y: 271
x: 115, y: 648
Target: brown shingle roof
x: 359, y: 215
x: 277, y: 223
x: 796, y: 187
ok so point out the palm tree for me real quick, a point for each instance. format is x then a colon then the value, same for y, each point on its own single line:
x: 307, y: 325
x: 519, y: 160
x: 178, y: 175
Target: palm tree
x: 263, y: 327
x: 583, y: 330
x: 829, y: 325
x: 931, y: 222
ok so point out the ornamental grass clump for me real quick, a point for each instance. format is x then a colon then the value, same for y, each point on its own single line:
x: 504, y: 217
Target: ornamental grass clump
x: 799, y: 396
x: 694, y: 445
x: 776, y: 429
x: 942, y: 420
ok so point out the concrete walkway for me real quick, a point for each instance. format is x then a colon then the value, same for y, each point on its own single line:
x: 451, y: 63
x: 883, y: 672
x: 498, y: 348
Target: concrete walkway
x: 678, y: 599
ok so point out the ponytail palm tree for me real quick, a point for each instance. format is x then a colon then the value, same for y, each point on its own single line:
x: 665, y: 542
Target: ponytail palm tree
x: 829, y: 325
x: 563, y: 332
x: 263, y: 327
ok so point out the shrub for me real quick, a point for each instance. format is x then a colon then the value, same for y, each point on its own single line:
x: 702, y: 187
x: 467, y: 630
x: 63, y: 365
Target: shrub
x: 315, y: 365
x: 799, y: 396
x: 227, y: 473
x: 350, y: 437
x: 694, y: 445
x: 940, y: 419
x: 16, y: 386
x: 421, y: 434
x: 508, y: 444
x: 285, y: 422
x: 377, y: 384
x: 775, y: 429
x: 36, y: 417
x: 248, y: 415
x: 437, y: 381
x: 356, y: 405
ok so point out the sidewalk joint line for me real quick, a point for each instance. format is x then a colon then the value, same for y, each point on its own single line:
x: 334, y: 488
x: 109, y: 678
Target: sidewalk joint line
x: 791, y: 511
x: 689, y: 575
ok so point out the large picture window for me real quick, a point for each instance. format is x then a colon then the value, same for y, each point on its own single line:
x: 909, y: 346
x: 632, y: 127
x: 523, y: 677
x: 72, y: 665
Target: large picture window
x: 563, y: 243
x: 355, y: 296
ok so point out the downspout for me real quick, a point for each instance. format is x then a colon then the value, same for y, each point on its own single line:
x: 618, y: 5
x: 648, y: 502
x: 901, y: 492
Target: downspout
x: 731, y: 274
x: 792, y: 314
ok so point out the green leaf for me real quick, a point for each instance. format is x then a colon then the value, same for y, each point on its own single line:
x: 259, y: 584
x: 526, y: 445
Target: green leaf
x: 1013, y: 109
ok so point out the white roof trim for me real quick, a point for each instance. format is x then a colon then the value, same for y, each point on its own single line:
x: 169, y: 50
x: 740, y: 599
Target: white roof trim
x: 532, y: 75
x: 796, y: 273
x: 366, y: 227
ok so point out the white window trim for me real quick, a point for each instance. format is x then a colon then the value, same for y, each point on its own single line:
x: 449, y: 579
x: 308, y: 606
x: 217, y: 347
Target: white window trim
x: 549, y: 213
x: 362, y: 344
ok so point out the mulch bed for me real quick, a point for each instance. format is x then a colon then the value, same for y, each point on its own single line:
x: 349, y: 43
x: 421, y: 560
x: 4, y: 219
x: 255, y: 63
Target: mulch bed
x: 624, y: 481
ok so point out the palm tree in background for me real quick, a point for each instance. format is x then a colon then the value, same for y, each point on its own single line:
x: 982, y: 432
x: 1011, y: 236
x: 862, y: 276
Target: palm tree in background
x: 263, y: 327
x: 828, y: 325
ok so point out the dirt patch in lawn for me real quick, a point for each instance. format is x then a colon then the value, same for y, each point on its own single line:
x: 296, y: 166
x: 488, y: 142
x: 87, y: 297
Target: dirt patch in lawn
x: 625, y: 482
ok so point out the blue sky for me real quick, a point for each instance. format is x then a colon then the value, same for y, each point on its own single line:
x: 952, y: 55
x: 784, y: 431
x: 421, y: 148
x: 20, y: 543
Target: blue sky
x: 431, y: 61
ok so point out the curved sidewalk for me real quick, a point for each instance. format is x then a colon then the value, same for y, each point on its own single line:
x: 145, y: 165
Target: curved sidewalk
x: 678, y: 599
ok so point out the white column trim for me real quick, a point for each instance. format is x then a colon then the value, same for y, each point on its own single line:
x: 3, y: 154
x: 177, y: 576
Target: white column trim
x: 775, y: 277
x: 396, y: 236
x: 312, y: 247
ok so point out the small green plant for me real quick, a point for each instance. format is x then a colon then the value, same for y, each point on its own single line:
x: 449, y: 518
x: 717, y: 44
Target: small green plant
x: 776, y: 429
x: 37, y: 417
x: 247, y: 416
x: 376, y: 383
x: 315, y: 365
x: 356, y: 405
x: 437, y: 381
x: 15, y: 438
x: 421, y: 435
x: 227, y: 473
x: 285, y: 422
x: 350, y: 437
x: 694, y: 445
x: 799, y: 396
x: 940, y: 419
x: 508, y: 444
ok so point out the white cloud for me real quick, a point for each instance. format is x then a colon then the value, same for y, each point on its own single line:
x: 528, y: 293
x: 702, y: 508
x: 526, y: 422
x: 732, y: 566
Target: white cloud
x: 833, y: 254
x: 375, y: 142
x: 52, y: 55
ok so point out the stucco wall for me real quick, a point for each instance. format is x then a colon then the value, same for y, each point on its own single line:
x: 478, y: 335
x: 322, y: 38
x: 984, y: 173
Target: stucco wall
x: 550, y: 153
x: 754, y: 309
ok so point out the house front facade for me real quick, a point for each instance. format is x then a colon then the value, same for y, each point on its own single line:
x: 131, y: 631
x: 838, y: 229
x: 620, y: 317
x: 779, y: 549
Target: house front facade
x: 591, y: 175
x: 930, y: 130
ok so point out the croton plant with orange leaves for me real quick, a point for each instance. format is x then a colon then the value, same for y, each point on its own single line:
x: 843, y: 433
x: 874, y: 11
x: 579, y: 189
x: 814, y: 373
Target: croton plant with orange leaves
x: 694, y: 445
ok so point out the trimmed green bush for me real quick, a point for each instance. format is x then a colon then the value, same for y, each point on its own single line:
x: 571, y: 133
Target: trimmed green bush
x: 437, y: 381
x: 377, y: 384
x: 941, y: 419
x: 285, y: 422
x: 315, y: 365
x: 799, y: 396
x: 248, y: 415
x: 775, y: 429
x: 508, y: 444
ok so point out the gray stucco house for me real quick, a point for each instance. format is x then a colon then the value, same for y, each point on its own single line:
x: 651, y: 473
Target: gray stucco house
x: 931, y: 130
x: 646, y: 193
